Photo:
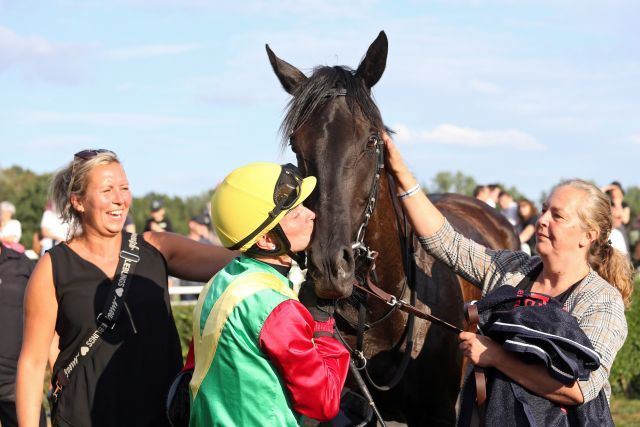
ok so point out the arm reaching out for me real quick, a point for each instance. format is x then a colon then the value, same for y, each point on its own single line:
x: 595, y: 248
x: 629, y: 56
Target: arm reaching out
x: 425, y: 218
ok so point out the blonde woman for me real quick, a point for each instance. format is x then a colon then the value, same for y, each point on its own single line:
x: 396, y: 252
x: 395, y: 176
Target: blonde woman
x: 576, y: 265
x: 125, y: 380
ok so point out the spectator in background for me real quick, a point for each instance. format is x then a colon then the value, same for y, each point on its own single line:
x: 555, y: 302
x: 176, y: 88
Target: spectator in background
x: 482, y: 192
x: 616, y: 193
x: 528, y: 216
x: 494, y: 193
x: 15, y: 269
x: 634, y: 237
x: 129, y: 225
x: 508, y: 208
x: 158, y: 220
x: 53, y: 229
x: 617, y: 238
x: 620, y: 209
x: 199, y: 228
x: 10, y: 229
x: 198, y: 231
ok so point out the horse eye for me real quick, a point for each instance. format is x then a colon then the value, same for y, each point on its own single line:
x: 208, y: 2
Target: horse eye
x: 372, y: 141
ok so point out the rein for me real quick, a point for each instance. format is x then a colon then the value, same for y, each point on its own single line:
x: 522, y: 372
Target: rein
x: 391, y: 300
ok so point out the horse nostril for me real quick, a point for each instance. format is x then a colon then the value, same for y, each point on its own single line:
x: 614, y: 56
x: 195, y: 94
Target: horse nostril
x: 347, y: 255
x: 344, y: 263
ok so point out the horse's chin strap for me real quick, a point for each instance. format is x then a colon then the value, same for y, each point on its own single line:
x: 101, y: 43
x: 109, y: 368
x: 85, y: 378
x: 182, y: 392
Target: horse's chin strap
x: 284, y: 247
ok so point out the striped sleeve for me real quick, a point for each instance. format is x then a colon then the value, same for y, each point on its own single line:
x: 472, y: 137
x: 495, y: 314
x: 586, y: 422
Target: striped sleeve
x: 484, y: 267
x: 602, y: 319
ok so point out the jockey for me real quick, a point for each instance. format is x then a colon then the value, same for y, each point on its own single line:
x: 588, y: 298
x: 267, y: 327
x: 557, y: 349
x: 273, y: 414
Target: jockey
x: 261, y: 357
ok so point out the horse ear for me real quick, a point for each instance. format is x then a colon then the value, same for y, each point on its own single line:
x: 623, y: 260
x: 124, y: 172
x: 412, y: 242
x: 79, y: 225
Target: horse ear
x: 374, y: 62
x: 290, y: 77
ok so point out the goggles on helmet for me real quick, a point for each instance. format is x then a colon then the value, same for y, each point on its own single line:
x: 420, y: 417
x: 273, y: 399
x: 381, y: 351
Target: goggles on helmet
x: 285, y: 194
x: 287, y: 189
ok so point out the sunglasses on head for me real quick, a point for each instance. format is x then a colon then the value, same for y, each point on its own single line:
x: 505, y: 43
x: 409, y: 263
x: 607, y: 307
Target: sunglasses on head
x: 90, y: 154
x: 84, y: 155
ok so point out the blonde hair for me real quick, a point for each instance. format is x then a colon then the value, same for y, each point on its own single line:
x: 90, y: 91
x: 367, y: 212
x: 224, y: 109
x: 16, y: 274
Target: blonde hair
x: 72, y: 180
x: 7, y: 206
x: 594, y: 213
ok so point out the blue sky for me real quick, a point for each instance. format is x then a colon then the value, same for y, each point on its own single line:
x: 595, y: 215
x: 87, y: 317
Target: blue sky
x: 520, y: 92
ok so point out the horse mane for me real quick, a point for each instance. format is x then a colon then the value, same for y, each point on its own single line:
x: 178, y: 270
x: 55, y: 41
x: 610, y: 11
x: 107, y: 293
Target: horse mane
x: 318, y: 89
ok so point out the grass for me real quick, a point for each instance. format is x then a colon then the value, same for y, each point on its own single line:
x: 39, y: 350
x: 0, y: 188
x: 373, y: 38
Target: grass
x: 626, y: 412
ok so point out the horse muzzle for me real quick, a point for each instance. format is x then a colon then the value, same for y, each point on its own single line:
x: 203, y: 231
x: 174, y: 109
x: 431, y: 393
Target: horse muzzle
x: 333, y: 271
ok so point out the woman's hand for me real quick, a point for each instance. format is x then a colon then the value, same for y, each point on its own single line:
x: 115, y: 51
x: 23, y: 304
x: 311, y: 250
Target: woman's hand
x: 482, y: 351
x: 393, y: 158
x: 396, y: 165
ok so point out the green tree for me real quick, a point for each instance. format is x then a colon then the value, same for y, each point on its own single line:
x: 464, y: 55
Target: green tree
x: 458, y: 182
x: 632, y: 197
x: 28, y: 192
x: 180, y: 211
x: 446, y: 182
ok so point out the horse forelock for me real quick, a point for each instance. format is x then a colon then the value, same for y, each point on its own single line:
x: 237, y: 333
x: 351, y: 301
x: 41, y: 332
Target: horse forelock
x: 316, y: 91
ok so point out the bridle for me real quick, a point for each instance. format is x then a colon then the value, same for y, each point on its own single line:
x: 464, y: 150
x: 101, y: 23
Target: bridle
x: 367, y: 286
x: 358, y: 246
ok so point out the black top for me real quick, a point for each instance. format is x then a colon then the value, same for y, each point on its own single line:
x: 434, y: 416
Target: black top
x: 15, y: 269
x: 527, y: 283
x: 532, y: 240
x: 126, y: 381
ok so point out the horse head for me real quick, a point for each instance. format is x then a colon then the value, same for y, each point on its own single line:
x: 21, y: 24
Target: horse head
x: 333, y: 126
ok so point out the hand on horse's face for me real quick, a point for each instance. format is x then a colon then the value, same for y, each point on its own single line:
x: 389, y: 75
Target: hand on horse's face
x: 392, y: 154
x: 393, y: 159
x: 480, y: 350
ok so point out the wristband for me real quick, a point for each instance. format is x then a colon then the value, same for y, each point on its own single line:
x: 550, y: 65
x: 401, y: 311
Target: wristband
x: 413, y: 190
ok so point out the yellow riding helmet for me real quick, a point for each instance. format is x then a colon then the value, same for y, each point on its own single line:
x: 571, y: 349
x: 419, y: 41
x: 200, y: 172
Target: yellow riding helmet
x: 253, y: 199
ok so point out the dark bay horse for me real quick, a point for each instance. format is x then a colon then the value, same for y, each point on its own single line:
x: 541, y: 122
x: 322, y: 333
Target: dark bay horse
x: 333, y: 126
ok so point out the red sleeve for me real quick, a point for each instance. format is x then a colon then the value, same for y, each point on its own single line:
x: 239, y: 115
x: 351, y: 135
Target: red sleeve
x: 190, y: 363
x: 313, y: 369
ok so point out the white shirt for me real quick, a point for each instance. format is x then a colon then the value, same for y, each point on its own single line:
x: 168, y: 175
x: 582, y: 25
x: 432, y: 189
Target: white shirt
x: 11, y: 228
x: 511, y: 213
x: 617, y: 241
x: 52, y: 222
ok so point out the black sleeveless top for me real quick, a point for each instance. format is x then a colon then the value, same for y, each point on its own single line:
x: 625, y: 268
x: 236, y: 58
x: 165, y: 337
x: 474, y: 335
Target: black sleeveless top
x: 126, y: 380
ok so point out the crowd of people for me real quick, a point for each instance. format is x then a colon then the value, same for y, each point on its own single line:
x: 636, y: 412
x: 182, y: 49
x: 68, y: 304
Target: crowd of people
x: 523, y: 214
x: 95, y: 308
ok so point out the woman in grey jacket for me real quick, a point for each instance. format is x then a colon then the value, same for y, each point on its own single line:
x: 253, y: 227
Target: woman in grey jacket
x: 576, y: 264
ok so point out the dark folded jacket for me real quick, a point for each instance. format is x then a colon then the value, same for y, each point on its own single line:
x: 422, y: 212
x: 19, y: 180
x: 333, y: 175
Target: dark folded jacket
x: 538, y: 330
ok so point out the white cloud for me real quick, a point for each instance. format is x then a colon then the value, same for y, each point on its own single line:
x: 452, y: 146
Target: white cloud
x: 149, y: 51
x: 635, y: 139
x: 448, y: 134
x: 112, y: 119
x: 40, y: 59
